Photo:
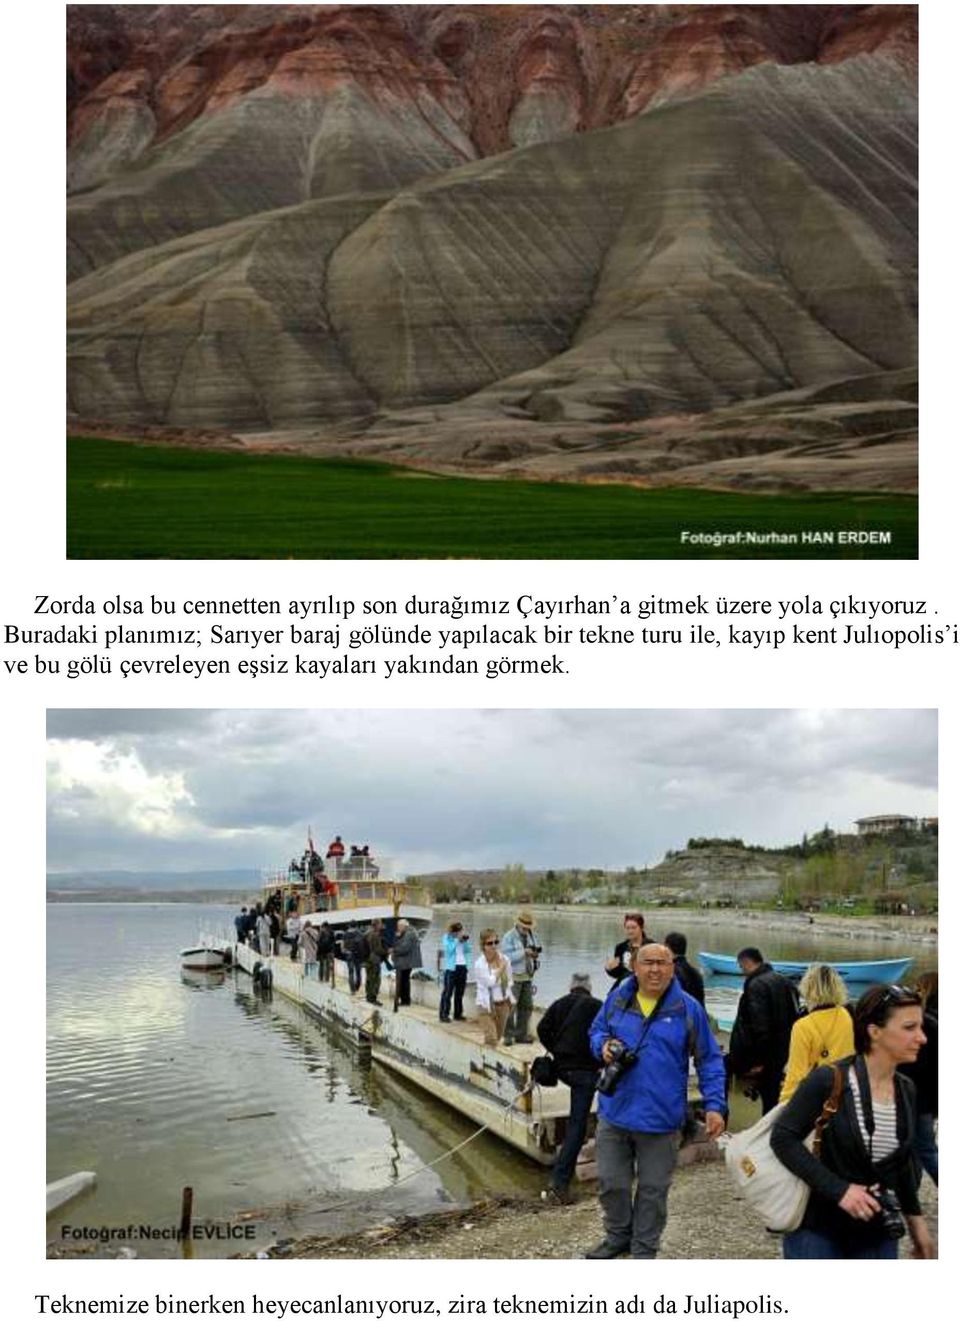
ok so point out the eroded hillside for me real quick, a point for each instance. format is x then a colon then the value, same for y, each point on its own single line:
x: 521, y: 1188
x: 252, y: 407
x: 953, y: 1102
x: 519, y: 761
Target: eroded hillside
x: 640, y: 242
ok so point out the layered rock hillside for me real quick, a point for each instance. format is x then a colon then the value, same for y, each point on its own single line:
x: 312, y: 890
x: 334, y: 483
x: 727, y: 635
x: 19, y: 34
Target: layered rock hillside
x: 718, y: 874
x: 661, y: 243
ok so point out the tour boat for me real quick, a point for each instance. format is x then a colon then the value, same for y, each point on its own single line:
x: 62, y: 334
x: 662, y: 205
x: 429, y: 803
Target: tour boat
x: 348, y: 890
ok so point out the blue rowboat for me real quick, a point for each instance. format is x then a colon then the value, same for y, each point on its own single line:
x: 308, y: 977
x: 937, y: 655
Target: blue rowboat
x: 869, y: 971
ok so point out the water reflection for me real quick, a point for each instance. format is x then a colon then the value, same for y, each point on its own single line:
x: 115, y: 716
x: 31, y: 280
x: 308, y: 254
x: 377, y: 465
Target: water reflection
x: 209, y: 979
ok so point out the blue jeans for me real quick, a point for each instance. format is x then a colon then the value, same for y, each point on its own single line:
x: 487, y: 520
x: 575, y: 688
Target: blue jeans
x: 925, y: 1146
x: 808, y: 1245
x: 454, y: 982
x: 582, y: 1084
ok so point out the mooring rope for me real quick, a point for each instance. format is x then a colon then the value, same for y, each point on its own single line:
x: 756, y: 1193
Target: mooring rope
x: 365, y: 1028
x: 445, y: 1155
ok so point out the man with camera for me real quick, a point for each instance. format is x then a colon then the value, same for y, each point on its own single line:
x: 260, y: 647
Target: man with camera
x: 454, y: 960
x: 644, y: 1036
x: 520, y: 946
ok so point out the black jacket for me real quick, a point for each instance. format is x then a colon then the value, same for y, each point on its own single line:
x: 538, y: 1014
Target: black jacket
x: 844, y: 1158
x: 767, y: 1011
x: 620, y: 949
x: 689, y: 978
x: 565, y: 1029
x: 924, y: 1072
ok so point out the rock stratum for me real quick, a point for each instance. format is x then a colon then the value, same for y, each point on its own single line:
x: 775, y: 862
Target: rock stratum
x: 660, y: 244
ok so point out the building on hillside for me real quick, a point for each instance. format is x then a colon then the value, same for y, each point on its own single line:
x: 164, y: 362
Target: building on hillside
x: 885, y: 825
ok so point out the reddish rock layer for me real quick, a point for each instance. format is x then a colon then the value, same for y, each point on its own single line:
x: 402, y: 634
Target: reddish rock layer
x: 892, y: 29
x: 507, y: 74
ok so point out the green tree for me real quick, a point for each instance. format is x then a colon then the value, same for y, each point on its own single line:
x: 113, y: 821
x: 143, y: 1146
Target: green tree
x: 513, y: 882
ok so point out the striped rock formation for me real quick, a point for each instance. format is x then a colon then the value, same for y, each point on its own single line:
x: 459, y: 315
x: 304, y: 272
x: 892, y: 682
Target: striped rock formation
x: 624, y: 241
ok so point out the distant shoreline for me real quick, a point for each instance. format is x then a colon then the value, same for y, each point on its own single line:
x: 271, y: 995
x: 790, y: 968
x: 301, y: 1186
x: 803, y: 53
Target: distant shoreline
x: 93, y: 896
x: 920, y: 930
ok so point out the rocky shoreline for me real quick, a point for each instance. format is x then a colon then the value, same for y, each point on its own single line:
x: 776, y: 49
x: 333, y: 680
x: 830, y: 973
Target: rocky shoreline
x: 916, y: 930
x: 706, y: 1221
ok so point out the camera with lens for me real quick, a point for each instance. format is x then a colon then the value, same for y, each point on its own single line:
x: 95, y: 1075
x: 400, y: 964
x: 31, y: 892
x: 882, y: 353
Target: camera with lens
x: 463, y: 936
x: 890, y: 1215
x: 621, y: 1061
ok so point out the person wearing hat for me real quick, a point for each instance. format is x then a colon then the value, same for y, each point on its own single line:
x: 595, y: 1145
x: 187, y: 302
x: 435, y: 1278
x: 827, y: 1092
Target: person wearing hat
x: 520, y: 946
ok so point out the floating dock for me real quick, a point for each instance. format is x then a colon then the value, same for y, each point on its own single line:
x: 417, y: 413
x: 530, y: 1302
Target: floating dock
x: 486, y: 1084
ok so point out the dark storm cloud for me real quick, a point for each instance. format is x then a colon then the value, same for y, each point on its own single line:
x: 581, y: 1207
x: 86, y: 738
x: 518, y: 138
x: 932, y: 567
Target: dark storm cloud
x: 98, y: 725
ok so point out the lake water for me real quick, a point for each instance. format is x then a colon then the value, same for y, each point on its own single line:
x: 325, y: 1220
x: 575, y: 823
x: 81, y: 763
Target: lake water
x: 157, y: 1082
x: 579, y: 939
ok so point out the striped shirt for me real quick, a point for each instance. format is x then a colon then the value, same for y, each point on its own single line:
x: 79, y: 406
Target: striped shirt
x: 885, y: 1138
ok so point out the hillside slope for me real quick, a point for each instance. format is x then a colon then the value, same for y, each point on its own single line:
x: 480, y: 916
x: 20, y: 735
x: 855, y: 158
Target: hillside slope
x: 691, y: 257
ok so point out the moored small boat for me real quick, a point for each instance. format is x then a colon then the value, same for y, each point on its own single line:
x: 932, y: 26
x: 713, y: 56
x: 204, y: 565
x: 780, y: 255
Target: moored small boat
x: 65, y: 1190
x: 205, y: 956
x: 868, y: 971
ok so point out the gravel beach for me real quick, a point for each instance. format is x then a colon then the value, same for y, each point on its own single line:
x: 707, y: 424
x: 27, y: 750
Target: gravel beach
x: 706, y: 1221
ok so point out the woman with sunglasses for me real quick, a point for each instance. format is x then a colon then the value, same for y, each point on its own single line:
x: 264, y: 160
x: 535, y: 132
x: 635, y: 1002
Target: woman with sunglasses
x: 494, y: 987
x: 863, y: 1195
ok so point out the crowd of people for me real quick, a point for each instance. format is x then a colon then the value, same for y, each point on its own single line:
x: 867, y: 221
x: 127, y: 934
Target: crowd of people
x: 632, y: 1051
x: 792, y: 1047
x: 365, y: 952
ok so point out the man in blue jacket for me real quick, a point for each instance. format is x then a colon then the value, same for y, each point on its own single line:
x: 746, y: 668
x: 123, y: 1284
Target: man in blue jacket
x: 650, y: 1027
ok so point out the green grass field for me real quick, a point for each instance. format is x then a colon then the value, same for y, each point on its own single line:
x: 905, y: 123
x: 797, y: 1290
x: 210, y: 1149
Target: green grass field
x: 129, y: 501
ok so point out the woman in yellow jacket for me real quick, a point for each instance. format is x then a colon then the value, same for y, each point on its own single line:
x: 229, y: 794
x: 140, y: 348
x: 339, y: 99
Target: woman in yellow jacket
x: 825, y: 1033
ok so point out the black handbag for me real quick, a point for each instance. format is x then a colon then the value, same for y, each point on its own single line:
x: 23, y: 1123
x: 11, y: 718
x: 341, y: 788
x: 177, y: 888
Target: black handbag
x: 543, y: 1071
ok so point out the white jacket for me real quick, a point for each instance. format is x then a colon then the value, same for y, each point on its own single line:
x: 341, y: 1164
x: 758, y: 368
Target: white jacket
x: 489, y: 986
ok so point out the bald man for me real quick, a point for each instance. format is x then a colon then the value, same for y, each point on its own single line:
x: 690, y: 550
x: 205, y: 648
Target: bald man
x: 644, y: 1036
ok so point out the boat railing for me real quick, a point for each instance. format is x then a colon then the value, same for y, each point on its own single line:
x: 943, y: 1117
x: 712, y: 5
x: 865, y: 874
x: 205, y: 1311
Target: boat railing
x: 360, y: 889
x: 363, y: 893
x: 358, y: 868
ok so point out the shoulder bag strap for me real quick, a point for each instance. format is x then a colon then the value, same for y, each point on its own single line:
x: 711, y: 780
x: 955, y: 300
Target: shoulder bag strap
x: 830, y: 1107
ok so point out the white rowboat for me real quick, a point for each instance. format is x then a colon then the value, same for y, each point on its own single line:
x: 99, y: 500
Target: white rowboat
x: 65, y: 1190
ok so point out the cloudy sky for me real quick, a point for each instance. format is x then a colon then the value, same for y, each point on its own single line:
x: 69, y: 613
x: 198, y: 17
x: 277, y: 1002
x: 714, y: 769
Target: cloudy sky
x: 192, y: 790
